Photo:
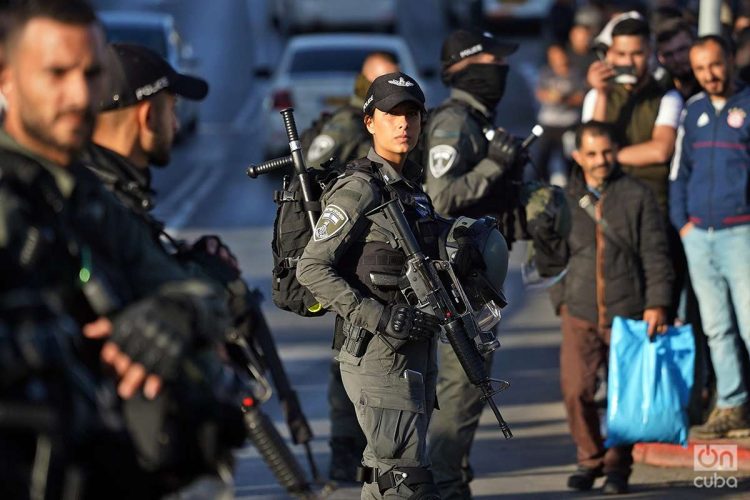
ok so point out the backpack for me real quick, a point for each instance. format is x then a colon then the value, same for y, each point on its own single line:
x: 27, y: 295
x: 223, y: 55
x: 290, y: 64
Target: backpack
x: 292, y: 232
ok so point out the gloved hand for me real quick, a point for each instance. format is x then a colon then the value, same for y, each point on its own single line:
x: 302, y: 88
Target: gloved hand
x: 401, y: 323
x: 155, y: 333
x: 468, y: 257
x: 506, y: 150
x: 214, y: 257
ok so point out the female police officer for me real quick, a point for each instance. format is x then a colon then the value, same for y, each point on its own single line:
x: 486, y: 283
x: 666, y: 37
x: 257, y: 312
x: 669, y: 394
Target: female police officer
x: 388, y: 360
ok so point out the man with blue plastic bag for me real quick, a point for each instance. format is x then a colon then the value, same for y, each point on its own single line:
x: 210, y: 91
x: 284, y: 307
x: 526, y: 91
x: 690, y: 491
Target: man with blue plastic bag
x: 617, y: 265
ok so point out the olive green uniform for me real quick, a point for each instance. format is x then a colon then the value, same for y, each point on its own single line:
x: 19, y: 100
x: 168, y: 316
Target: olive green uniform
x: 461, y: 180
x: 392, y: 391
x: 343, y: 136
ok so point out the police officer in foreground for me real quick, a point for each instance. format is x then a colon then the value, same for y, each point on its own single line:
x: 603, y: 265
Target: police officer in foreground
x: 343, y: 136
x: 388, y: 361
x: 469, y: 164
x: 69, y: 251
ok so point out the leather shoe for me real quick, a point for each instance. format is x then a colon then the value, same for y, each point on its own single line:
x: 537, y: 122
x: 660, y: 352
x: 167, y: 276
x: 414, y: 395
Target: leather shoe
x: 615, y: 484
x: 583, y: 478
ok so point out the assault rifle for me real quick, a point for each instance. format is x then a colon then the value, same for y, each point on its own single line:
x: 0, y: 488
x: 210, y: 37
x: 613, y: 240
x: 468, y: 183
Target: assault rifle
x: 431, y: 286
x: 254, y: 360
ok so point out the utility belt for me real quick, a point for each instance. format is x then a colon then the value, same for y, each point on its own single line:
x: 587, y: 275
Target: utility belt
x: 393, y: 478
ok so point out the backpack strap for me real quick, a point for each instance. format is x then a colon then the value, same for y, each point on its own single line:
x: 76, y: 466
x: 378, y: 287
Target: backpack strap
x: 368, y: 170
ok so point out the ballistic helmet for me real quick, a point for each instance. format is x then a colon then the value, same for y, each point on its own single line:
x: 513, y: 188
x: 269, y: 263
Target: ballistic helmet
x: 483, y: 285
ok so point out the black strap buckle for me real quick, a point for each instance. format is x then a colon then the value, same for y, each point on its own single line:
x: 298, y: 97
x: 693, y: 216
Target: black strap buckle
x: 284, y: 196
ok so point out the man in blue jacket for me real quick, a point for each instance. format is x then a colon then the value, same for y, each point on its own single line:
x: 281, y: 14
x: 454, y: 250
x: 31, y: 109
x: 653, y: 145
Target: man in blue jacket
x: 709, y: 202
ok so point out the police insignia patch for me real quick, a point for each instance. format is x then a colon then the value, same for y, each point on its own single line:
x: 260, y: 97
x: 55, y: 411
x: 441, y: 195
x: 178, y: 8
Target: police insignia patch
x: 442, y: 158
x: 331, y: 221
x: 319, y: 146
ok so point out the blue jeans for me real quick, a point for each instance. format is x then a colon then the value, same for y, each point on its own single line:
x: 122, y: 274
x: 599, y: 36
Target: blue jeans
x: 719, y: 264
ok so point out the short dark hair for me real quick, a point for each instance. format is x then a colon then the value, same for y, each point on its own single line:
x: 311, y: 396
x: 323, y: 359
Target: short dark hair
x: 596, y: 129
x: 17, y: 13
x: 726, y: 46
x: 673, y: 27
x: 631, y: 27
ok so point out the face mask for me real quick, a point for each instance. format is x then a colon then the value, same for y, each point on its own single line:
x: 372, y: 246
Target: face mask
x: 361, y: 85
x: 486, y: 82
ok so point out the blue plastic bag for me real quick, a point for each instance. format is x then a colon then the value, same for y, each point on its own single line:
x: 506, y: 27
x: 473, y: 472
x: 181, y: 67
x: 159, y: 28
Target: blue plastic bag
x: 649, y: 384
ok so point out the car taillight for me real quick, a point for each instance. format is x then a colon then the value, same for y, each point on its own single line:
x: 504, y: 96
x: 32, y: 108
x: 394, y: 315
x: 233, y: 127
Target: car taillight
x: 282, y: 99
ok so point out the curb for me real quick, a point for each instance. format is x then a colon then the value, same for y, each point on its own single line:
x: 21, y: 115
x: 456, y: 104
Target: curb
x: 674, y: 455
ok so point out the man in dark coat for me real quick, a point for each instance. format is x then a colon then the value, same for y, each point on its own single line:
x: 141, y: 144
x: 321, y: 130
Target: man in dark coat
x: 617, y: 265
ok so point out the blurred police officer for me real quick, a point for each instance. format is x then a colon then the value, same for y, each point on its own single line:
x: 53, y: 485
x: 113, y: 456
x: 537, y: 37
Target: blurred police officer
x: 468, y: 161
x: 343, y: 136
x: 67, y: 242
x: 137, y: 123
x: 388, y: 360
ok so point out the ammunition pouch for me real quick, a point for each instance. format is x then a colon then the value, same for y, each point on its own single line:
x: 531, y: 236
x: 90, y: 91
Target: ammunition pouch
x: 351, y: 339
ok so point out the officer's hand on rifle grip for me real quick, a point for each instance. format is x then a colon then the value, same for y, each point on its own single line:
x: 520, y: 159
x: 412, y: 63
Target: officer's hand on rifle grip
x: 467, y: 258
x: 506, y: 150
x: 154, y: 333
x: 401, y: 323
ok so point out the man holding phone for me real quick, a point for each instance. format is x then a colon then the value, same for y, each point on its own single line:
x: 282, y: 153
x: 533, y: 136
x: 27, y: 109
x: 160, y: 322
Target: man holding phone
x: 645, y: 115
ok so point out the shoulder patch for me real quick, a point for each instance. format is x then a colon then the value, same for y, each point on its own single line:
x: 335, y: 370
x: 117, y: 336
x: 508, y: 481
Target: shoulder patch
x: 331, y: 221
x: 319, y: 146
x: 442, y: 158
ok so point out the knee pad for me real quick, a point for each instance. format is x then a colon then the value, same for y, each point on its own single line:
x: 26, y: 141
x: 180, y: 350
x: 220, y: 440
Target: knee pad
x: 418, y: 479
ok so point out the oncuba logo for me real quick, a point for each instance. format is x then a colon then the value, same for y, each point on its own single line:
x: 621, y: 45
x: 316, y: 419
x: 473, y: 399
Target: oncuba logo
x: 715, y: 458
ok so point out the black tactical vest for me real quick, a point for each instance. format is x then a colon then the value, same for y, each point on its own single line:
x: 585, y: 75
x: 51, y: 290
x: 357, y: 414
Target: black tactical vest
x: 363, y: 258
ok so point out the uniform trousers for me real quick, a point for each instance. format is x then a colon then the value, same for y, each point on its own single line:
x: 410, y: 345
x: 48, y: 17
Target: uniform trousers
x: 394, y: 395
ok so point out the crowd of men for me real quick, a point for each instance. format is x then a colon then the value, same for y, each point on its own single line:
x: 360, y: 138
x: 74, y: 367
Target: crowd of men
x: 112, y: 356
x: 666, y: 108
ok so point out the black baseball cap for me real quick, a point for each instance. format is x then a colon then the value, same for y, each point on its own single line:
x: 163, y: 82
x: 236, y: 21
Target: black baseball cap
x: 464, y: 43
x: 389, y: 90
x: 136, y: 73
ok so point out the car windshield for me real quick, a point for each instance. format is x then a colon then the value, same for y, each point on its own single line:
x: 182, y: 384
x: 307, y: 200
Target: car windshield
x: 152, y: 38
x: 324, y: 60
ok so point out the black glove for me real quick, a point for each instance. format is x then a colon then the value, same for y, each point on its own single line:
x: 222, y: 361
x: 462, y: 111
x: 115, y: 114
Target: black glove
x: 403, y: 323
x: 467, y: 258
x: 154, y: 333
x: 506, y: 150
x: 214, y: 257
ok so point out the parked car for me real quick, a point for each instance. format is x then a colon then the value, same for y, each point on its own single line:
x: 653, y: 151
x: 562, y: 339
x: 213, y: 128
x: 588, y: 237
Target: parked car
x: 515, y: 11
x: 156, y: 31
x: 291, y: 16
x: 316, y: 73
